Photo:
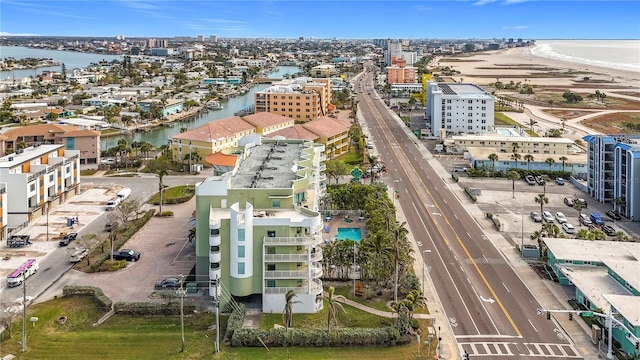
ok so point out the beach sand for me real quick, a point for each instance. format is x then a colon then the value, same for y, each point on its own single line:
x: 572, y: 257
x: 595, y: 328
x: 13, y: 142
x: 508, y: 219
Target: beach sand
x: 518, y: 64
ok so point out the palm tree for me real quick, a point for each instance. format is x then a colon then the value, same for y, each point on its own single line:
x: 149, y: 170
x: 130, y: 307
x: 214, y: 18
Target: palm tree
x: 584, y: 234
x: 493, y: 158
x: 161, y: 173
x: 563, y: 121
x: 400, y: 235
x: 513, y: 176
x: 415, y: 300
x: 515, y: 156
x: 619, y: 202
x: 528, y: 158
x: 578, y: 206
x: 564, y: 160
x: 550, y: 162
x: 288, y: 308
x: 545, y: 179
x: 334, y: 306
x: 542, y: 200
x: 531, y: 123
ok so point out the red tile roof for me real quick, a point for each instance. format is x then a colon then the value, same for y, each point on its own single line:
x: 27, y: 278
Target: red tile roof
x: 221, y: 159
x: 46, y: 130
x: 265, y: 119
x: 294, y: 132
x: 217, y: 130
x: 327, y: 127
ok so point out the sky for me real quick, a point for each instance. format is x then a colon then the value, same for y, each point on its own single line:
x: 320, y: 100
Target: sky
x: 344, y: 19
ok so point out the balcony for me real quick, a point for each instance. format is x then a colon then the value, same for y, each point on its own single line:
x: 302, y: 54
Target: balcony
x: 215, y: 240
x: 316, y: 288
x: 214, y: 272
x: 286, y: 258
x: 316, y: 273
x: 316, y: 254
x: 215, y: 256
x: 289, y: 241
x: 323, y: 157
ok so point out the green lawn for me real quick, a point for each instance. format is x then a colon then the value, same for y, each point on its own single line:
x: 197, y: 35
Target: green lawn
x: 157, y: 338
x: 176, y: 192
x: 347, y: 291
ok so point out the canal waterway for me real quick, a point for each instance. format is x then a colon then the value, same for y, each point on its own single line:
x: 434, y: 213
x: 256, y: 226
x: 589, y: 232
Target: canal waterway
x: 161, y: 135
x: 70, y: 59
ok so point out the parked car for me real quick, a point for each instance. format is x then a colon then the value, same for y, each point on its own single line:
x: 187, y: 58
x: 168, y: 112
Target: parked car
x: 530, y: 179
x: 539, y: 180
x: 535, y: 216
x: 596, y: 219
x: 584, y: 220
x: 568, y: 228
x: 560, y: 181
x: 460, y: 169
x: 78, y: 255
x: 168, y: 283
x: 613, y: 215
x: 126, y: 254
x: 546, y: 216
x: 568, y: 201
x: 67, y: 239
x: 609, y: 230
x: 561, y: 218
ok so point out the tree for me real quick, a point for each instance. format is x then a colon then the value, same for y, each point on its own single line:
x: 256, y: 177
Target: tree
x: 584, y: 234
x: 161, y: 173
x: 334, y: 306
x: 493, y: 158
x: 415, y: 300
x: 550, y: 162
x: 579, y: 206
x: 542, y: 200
x: 335, y: 169
x: 128, y: 208
x: 7, y: 315
x: 515, y: 156
x: 563, y: 121
x: 545, y: 180
x: 564, y: 160
x: 400, y: 232
x: 287, y: 314
x: 531, y: 123
x: 513, y: 176
x: 528, y: 158
x: 619, y: 202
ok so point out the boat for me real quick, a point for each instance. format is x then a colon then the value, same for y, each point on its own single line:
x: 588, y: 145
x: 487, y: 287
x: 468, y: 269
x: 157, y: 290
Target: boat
x: 214, y: 105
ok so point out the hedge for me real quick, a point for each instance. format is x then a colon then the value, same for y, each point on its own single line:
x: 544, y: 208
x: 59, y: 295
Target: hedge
x: 94, y: 292
x: 234, y: 322
x: 147, y: 308
x: 341, y: 337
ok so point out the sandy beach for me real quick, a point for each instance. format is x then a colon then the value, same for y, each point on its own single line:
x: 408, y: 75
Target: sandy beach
x: 518, y: 64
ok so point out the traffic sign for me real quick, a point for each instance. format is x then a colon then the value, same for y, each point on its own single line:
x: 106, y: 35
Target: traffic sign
x: 587, y: 314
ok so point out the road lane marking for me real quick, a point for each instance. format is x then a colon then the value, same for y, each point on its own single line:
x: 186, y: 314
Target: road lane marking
x: 534, y: 328
x: 469, y: 235
x: 506, y: 288
x: 456, y: 216
x: 485, y: 309
x: 485, y: 258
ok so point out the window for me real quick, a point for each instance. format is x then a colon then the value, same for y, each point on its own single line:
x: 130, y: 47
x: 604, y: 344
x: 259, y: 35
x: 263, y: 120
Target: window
x: 484, y: 121
x: 271, y: 233
x: 470, y: 101
x: 241, y: 251
x: 240, y: 268
x: 271, y: 267
x: 448, y: 101
x: 484, y: 101
x: 240, y: 234
x: 214, y: 249
x: 483, y: 108
x: 214, y: 232
x: 275, y: 203
x: 271, y: 283
x: 271, y: 250
x: 32, y: 187
x: 470, y: 121
x: 483, y: 114
x: 51, y: 177
x: 469, y: 107
x: 470, y: 127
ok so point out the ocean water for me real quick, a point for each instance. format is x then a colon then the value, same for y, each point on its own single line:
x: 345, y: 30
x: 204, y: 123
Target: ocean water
x: 612, y: 54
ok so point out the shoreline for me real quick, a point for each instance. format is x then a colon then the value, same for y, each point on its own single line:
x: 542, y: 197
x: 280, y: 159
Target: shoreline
x: 520, y: 64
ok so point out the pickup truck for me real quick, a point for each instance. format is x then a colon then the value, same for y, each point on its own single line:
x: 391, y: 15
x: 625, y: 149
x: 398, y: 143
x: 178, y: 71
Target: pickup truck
x: 67, y: 239
x: 126, y: 254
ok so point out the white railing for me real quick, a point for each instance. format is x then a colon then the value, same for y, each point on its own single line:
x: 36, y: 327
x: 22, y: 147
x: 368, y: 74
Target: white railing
x: 286, y: 240
x: 316, y: 288
x: 214, y: 273
x: 215, y: 240
x: 286, y: 257
x: 215, y: 257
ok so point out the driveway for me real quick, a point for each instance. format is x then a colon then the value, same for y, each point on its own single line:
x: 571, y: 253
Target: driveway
x: 165, y: 252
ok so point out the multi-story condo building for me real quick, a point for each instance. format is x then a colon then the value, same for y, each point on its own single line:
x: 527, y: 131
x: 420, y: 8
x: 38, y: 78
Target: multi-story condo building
x: 459, y: 108
x: 301, y: 99
x: 73, y: 137
x: 35, y: 176
x: 394, y: 50
x: 323, y: 70
x: 258, y: 230
x: 614, y: 172
x: 401, y: 73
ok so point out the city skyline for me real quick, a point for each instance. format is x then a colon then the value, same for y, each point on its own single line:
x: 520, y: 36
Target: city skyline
x: 483, y: 19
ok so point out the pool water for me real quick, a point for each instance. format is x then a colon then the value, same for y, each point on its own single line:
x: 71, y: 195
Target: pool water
x: 354, y: 234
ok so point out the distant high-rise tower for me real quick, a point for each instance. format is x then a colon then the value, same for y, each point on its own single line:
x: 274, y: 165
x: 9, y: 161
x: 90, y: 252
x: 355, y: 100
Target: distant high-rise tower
x: 200, y: 38
x: 213, y: 38
x: 151, y: 43
x: 119, y: 37
x: 394, y: 49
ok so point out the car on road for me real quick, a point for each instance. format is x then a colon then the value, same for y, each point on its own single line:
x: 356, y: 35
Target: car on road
x: 613, y: 215
x: 126, y: 254
x: 530, y: 179
x: 168, y: 283
x: 609, y: 230
x: 568, y: 201
x: 561, y: 218
x: 560, y: 181
x: 535, y: 216
x: 67, y: 239
x: 568, y: 228
x: 584, y: 220
x: 546, y: 216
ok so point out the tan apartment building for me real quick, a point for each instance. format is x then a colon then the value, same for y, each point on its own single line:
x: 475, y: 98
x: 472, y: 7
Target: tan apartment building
x: 302, y: 99
x: 511, y: 144
x: 400, y: 73
x: 72, y: 137
x: 323, y: 71
x: 332, y: 133
x: 267, y: 123
x: 35, y: 176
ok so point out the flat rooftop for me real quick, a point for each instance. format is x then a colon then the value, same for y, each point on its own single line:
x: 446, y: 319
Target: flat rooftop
x: 28, y: 154
x: 593, y: 282
x: 270, y: 165
x: 464, y: 90
x: 627, y: 305
x: 585, y: 250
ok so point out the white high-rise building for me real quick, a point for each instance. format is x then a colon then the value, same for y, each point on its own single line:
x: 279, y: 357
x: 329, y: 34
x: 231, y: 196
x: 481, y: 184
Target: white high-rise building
x: 459, y: 108
x: 394, y: 48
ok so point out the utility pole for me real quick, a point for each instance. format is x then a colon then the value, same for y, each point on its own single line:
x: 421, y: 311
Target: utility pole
x: 24, y: 313
x: 216, y: 302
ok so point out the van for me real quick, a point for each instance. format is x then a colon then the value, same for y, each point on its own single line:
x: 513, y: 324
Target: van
x: 112, y: 203
x: 124, y: 193
x: 596, y: 219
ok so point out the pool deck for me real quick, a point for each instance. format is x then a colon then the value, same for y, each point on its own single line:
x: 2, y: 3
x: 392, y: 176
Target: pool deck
x: 338, y: 222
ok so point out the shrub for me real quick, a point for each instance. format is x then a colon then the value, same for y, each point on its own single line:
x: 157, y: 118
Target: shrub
x: 235, y: 322
x: 166, y: 214
x: 347, y: 337
x: 112, y: 265
x: 470, y: 194
x: 408, y: 283
x: 95, y: 293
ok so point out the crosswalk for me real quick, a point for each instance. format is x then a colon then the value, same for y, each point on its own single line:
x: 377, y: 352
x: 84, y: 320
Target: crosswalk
x: 507, y: 349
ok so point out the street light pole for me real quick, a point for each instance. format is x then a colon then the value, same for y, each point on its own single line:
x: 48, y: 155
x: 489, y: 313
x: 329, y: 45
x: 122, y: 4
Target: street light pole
x: 24, y: 313
x: 216, y: 301
x: 181, y: 292
x: 48, y: 206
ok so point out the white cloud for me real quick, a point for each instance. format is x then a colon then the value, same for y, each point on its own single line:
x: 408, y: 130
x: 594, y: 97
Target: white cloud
x: 4, y: 33
x: 517, y: 27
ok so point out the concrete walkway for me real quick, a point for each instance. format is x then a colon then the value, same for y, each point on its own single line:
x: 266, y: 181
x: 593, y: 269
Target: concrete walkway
x: 370, y: 310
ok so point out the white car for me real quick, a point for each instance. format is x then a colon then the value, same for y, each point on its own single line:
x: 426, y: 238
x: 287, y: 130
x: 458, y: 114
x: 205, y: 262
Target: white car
x: 546, y: 216
x: 568, y: 228
x: 561, y: 218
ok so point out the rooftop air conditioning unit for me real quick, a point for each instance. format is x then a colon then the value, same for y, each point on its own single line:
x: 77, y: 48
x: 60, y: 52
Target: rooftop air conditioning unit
x: 10, y: 158
x: 19, y: 151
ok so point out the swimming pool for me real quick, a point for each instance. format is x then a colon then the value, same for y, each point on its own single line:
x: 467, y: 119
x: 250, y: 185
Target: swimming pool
x: 354, y: 234
x: 504, y: 132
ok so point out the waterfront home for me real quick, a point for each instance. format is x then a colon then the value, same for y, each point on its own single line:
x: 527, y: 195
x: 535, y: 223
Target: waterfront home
x: 103, y: 102
x: 170, y: 106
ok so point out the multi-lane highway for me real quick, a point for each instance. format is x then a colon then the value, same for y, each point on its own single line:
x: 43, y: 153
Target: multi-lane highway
x: 491, y: 312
